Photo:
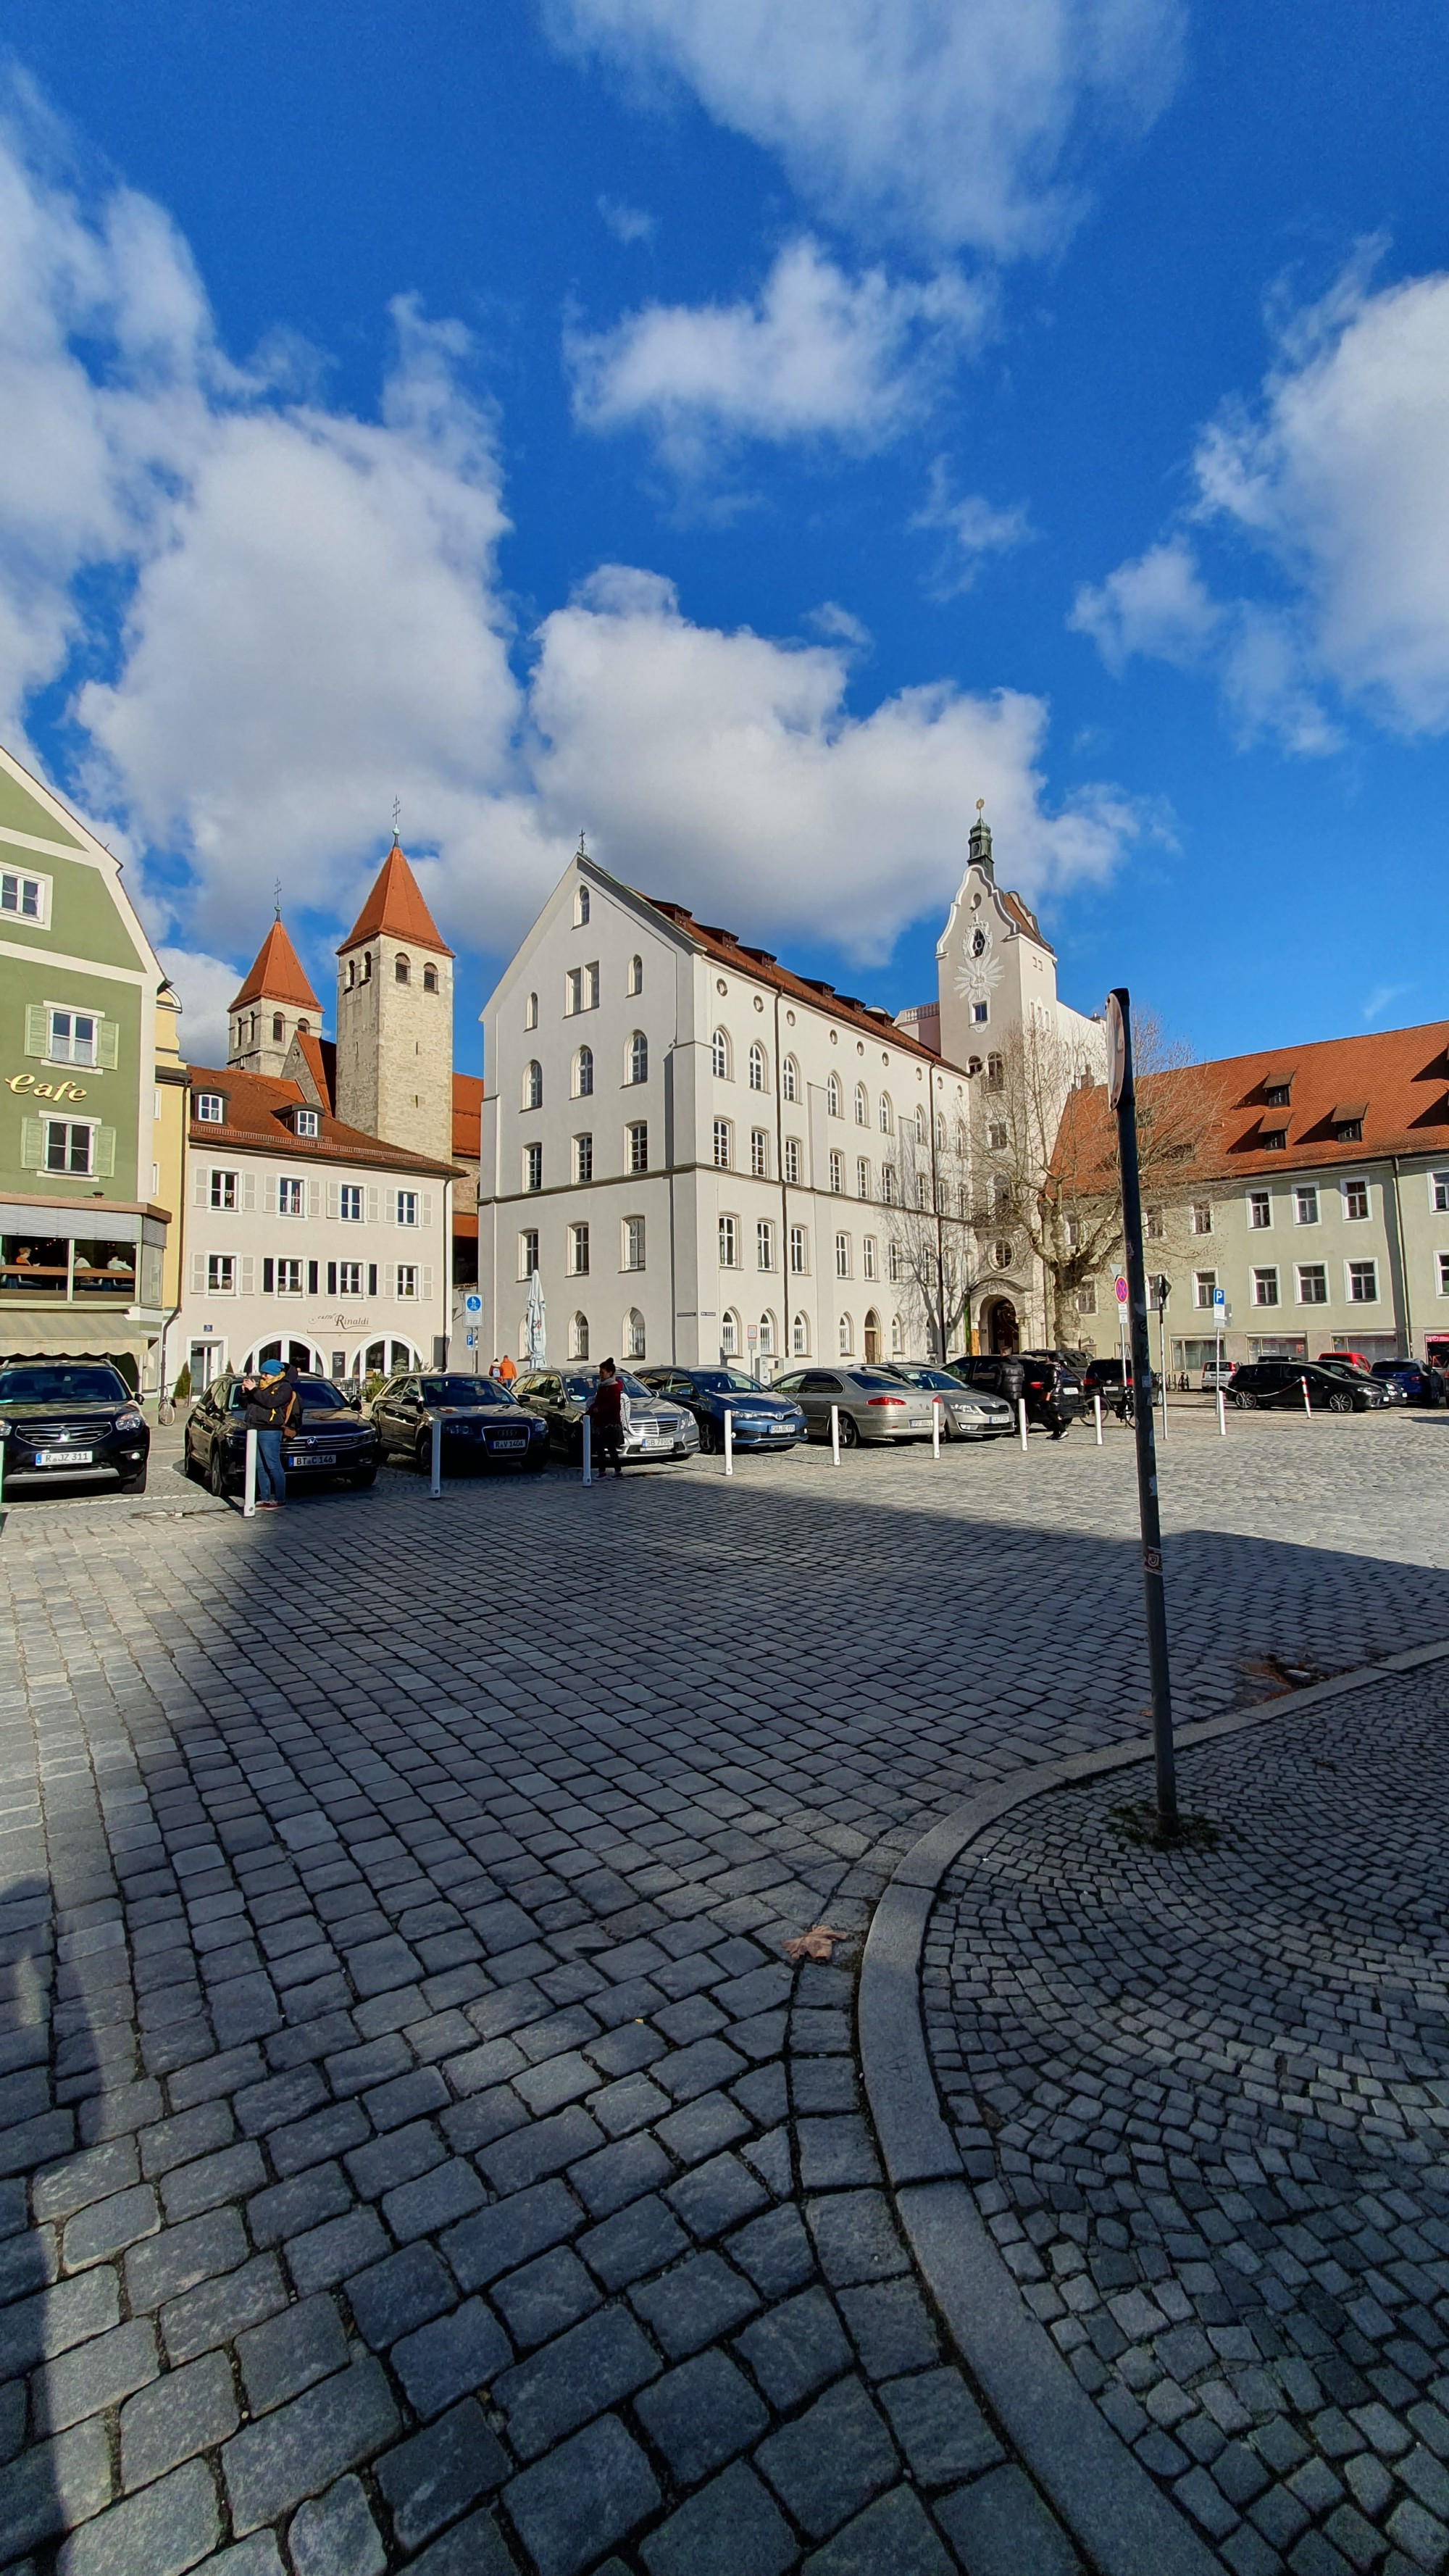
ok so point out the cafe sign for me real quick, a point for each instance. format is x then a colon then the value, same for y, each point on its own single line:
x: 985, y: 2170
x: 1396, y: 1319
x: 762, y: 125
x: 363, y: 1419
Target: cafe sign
x: 26, y: 1082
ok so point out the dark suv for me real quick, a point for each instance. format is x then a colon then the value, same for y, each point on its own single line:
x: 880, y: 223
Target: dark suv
x: 1052, y: 1388
x: 1261, y: 1384
x: 60, y: 1419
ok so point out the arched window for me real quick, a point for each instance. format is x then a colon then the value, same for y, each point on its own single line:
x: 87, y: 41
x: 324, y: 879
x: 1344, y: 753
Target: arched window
x: 995, y: 1073
x: 884, y: 1113
x: 790, y: 1079
x: 279, y: 1026
x: 636, y: 974
x: 729, y: 1334
x: 757, y: 1067
x: 719, y: 1056
x: 304, y: 1028
x: 401, y: 969
x: 581, y: 906
x: 940, y: 1131
x: 638, y: 1057
x: 367, y: 966
x: 862, y: 1106
x: 898, y: 1338
x: 800, y: 1337
x: 533, y: 1086
x: 767, y: 1335
x: 847, y: 1337
x: 832, y: 1096
x: 584, y: 1073
x: 634, y: 1335
x: 530, y: 1012
x: 920, y: 1126
x: 579, y: 1338
x: 351, y: 972
x: 430, y: 979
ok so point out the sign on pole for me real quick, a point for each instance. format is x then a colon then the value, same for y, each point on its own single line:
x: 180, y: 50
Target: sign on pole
x: 472, y: 1305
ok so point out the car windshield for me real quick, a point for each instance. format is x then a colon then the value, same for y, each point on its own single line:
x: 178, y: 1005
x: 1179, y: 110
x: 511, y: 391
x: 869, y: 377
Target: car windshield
x: 320, y: 1396
x: 580, y: 1390
x: 724, y: 1382
x: 62, y: 1386
x: 930, y: 1377
x: 463, y: 1390
x: 868, y: 1378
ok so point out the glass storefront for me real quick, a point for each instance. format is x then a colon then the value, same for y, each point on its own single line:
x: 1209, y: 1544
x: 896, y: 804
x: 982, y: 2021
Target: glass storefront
x: 120, y: 1268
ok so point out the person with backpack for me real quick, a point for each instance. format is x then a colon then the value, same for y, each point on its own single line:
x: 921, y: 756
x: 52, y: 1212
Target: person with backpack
x: 270, y: 1403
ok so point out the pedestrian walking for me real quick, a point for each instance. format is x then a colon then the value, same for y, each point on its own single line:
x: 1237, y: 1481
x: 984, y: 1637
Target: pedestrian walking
x: 606, y: 1412
x: 270, y: 1402
x: 506, y: 1370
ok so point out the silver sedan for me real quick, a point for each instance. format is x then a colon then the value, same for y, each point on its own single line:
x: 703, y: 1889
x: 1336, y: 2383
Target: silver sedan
x: 872, y: 1404
x: 967, y: 1412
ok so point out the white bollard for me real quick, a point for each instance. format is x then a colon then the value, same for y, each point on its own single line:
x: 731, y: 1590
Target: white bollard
x: 729, y: 1441
x: 1222, y: 1415
x: 1097, y: 1401
x: 935, y: 1426
x: 588, y: 1451
x: 1021, y: 1417
x: 249, y: 1490
x: 835, y: 1433
x: 435, y: 1482
x: 1307, y: 1407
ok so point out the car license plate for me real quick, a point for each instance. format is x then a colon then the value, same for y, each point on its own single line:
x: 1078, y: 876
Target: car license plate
x: 919, y: 1422
x: 315, y: 1458
x: 64, y: 1457
x: 657, y: 1440
x: 508, y: 1444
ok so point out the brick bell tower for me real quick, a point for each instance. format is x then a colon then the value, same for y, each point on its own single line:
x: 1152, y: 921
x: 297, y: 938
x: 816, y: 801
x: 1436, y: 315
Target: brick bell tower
x: 395, y: 1018
x: 275, y: 1001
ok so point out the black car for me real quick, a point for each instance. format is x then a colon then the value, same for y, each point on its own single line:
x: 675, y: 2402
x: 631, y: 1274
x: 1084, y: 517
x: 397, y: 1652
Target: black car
x: 328, y: 1438
x: 1052, y: 1388
x: 1422, y: 1383
x: 483, y: 1425
x: 1260, y: 1385
x: 62, y: 1419
x: 761, y: 1420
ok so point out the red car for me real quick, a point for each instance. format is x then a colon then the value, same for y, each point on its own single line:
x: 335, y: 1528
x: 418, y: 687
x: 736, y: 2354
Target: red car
x: 1347, y: 1359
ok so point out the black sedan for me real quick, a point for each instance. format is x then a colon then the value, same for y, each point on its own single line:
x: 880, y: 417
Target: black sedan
x: 482, y: 1424
x: 328, y: 1437
x: 1260, y: 1385
x: 761, y: 1420
x: 64, y: 1419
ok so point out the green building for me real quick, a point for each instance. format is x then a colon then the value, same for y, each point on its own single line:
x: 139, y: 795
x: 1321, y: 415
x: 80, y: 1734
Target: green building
x: 82, y: 1240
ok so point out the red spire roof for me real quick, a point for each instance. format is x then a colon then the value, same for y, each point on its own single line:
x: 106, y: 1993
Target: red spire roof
x: 277, y: 975
x: 396, y: 906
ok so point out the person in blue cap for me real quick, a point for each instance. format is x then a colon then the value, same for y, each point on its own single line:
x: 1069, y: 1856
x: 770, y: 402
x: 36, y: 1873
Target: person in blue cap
x: 269, y: 1403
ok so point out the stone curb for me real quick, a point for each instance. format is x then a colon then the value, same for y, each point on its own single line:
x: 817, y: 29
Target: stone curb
x: 1114, y: 2511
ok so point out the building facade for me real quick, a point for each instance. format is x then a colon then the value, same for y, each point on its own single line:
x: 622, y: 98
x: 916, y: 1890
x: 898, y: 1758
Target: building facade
x: 88, y: 1126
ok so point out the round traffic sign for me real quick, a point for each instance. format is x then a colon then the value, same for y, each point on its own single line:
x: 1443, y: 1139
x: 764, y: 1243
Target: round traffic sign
x: 1120, y: 1284
x: 472, y: 1305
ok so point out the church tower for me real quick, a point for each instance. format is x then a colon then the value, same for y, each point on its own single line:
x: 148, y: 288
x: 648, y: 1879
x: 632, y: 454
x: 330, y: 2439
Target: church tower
x: 395, y: 1018
x: 275, y: 1002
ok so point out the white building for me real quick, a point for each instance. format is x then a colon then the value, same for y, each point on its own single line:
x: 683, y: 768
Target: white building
x: 702, y: 1153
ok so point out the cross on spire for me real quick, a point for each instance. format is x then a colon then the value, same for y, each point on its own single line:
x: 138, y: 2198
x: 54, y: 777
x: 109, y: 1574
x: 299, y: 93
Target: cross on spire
x: 396, y: 817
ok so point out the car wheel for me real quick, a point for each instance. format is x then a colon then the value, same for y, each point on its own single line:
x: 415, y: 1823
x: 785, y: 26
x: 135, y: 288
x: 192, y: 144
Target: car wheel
x: 1246, y: 1403
x: 709, y: 1437
x: 849, y: 1431
x: 363, y: 1477
x: 216, y: 1473
x: 1341, y: 1403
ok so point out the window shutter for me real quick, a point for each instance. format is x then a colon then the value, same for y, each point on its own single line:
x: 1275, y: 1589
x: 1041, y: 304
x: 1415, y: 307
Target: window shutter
x: 334, y: 1203
x: 103, y: 1152
x: 372, y: 1278
x: 32, y: 1144
x: 200, y: 1186
x: 331, y: 1278
x: 108, y: 1045
x: 248, y: 1275
x: 269, y: 1194
x: 374, y: 1203
x: 198, y: 1274
x: 314, y: 1198
x: 249, y: 1192
x: 37, y: 1030
x: 427, y: 1282
x: 311, y: 1278
x: 427, y: 1207
x: 268, y: 1274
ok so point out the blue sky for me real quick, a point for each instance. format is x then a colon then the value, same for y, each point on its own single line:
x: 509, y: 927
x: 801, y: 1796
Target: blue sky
x: 753, y: 435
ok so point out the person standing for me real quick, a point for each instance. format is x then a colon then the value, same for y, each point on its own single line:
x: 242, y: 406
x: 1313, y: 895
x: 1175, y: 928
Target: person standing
x: 506, y: 1370
x: 269, y: 1402
x: 606, y: 1411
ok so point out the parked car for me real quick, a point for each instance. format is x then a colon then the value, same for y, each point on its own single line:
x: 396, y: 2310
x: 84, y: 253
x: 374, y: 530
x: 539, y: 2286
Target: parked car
x: 1260, y: 1384
x: 1000, y: 1373
x: 1052, y: 1388
x: 1345, y: 1359
x: 60, y: 1419
x: 1339, y: 1364
x: 762, y: 1418
x: 483, y: 1424
x: 1215, y: 1374
x: 872, y: 1405
x: 966, y: 1413
x: 330, y: 1438
x: 1422, y: 1384
x: 655, y: 1429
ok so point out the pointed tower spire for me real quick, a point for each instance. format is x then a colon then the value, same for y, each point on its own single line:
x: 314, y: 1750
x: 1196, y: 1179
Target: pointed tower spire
x: 275, y: 1001
x: 980, y: 842
x: 395, y: 1016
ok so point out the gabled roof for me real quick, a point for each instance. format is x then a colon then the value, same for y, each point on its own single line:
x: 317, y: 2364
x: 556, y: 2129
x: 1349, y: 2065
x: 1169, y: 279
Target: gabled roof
x: 276, y: 975
x: 727, y: 950
x: 259, y: 1107
x: 318, y: 1058
x: 395, y: 908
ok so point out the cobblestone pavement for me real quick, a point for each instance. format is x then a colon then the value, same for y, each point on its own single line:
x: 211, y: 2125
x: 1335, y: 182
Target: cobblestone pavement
x: 1204, y: 2101
x: 419, y: 2148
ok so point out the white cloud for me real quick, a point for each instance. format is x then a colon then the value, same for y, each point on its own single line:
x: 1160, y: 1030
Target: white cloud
x: 975, y: 528
x: 205, y: 986
x: 817, y: 354
x: 1157, y: 605
x: 944, y: 122
x: 626, y: 223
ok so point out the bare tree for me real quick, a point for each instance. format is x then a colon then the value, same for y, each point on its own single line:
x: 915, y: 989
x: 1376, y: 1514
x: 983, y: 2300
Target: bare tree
x: 932, y: 1242
x: 1047, y: 1152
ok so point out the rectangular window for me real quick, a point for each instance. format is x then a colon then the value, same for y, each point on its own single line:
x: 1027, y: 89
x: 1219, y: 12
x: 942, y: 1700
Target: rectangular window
x: 1087, y: 1297
x: 579, y: 1250
x: 528, y: 1252
x: 1355, y: 1200
x: 23, y: 897
x: 583, y: 1158
x: 1204, y: 1284
x: 760, y: 1153
x: 407, y: 1279
x: 211, y: 1108
x: 1444, y: 1274
x: 291, y: 1198
x: 407, y: 1207
x: 1363, y: 1283
x: 1260, y: 1210
x: 1274, y: 1139
x: 306, y: 1123
x: 67, y: 1146
x: 349, y: 1201
x: 862, y: 1178
x: 1156, y: 1224
x: 1305, y: 1204
x: 349, y: 1278
x: 837, y: 1174
x: 638, y: 1141
x: 996, y: 1139
x: 897, y: 1265
x: 799, y: 1255
x: 633, y: 1243
x: 1265, y: 1287
x: 722, y: 1144
x: 1202, y: 1223
x: 220, y: 1274
x: 980, y: 1012
x: 289, y: 1279
x: 1439, y: 1192
x: 581, y: 990
x: 792, y: 1159
x: 764, y: 1244
x: 729, y: 1244
x: 224, y: 1189
x: 842, y: 1256
x: 867, y: 1257
x: 888, y: 1184
x: 73, y: 1037
x: 1312, y: 1284
x: 533, y: 1167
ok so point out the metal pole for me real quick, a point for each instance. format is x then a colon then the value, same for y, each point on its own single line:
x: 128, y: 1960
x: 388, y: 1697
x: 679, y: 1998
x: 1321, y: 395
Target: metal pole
x: 1222, y: 1416
x: 1307, y: 1407
x: 1097, y: 1401
x: 729, y: 1444
x: 435, y: 1484
x: 1162, y: 1361
x: 835, y: 1433
x: 249, y: 1491
x: 1021, y: 1418
x: 1124, y: 1101
x: 935, y: 1426
x: 588, y: 1451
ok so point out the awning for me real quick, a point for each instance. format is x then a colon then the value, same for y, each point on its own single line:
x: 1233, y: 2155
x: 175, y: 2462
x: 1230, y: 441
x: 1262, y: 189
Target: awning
x: 69, y: 1333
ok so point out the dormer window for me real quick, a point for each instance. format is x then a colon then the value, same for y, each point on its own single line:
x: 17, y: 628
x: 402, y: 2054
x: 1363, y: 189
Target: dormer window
x: 1278, y: 1090
x: 1349, y: 1131
x: 306, y: 1123
x: 211, y: 1108
x: 1273, y: 1139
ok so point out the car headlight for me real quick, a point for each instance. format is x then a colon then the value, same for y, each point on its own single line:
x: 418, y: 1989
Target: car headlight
x: 129, y: 1422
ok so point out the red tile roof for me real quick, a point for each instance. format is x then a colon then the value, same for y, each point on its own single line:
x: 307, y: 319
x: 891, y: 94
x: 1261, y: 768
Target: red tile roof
x: 727, y: 950
x: 258, y: 1108
x: 396, y: 907
x: 320, y: 1057
x: 276, y: 975
x: 468, y: 1115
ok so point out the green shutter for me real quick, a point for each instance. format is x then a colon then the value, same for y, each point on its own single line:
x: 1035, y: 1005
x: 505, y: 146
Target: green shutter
x: 37, y: 1029
x: 32, y: 1144
x: 108, y: 1045
x: 103, y: 1152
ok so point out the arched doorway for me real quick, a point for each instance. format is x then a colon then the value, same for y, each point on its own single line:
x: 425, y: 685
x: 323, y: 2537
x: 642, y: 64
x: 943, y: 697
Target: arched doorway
x: 872, y: 1337
x: 1001, y: 1331
x: 292, y: 1354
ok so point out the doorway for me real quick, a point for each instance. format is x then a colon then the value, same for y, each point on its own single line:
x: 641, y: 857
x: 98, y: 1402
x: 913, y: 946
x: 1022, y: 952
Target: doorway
x: 1002, y: 1335
x: 872, y: 1338
x: 207, y: 1361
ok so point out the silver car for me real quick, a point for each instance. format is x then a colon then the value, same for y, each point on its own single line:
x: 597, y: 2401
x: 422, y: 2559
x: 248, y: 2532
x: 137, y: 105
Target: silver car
x: 873, y: 1405
x: 967, y: 1412
x: 654, y: 1429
